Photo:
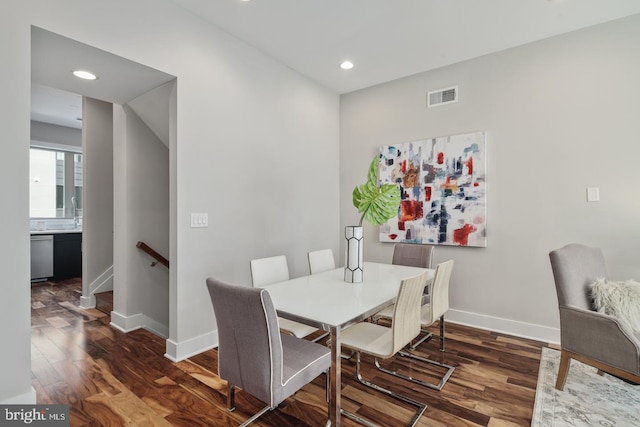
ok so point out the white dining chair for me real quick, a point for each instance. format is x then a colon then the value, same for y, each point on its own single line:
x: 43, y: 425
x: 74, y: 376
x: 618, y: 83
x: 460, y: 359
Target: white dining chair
x: 383, y: 342
x: 431, y: 313
x: 321, y: 260
x: 266, y: 271
x: 412, y: 255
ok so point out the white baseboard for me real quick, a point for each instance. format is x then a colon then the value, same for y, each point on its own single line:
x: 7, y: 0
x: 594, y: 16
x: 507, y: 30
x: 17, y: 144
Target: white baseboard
x: 88, y: 302
x: 177, y: 351
x: 505, y: 326
x: 137, y: 321
x: 103, y: 283
x: 28, y: 398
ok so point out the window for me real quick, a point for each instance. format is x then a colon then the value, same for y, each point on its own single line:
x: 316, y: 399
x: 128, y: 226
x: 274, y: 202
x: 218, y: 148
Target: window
x: 55, y: 178
x: 77, y: 183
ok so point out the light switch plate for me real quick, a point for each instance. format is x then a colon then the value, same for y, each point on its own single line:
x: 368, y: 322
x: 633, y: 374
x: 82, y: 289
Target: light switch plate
x: 199, y: 220
x: 593, y: 194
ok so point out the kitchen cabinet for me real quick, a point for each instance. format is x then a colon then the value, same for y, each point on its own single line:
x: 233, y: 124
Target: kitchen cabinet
x: 67, y: 256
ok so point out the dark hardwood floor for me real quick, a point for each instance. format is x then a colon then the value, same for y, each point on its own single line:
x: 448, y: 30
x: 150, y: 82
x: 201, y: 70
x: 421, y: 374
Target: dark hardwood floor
x: 114, y: 379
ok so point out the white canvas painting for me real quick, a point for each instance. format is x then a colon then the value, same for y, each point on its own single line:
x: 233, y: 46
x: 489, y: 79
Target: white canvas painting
x: 443, y: 189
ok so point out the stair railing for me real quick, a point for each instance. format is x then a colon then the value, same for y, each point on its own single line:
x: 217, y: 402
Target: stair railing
x: 155, y: 255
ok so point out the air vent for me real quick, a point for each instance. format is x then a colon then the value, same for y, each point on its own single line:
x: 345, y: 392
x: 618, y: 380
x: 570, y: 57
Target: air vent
x: 440, y: 97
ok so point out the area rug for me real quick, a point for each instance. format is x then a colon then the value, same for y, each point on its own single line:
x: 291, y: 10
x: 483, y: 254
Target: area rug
x: 588, y: 399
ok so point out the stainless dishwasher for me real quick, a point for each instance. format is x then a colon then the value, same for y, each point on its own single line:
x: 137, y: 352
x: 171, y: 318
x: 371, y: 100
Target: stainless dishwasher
x: 41, y: 257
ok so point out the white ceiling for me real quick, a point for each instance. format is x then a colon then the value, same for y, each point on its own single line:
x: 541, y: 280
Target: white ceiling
x: 55, y: 106
x: 390, y: 39
x: 56, y: 95
x: 386, y: 39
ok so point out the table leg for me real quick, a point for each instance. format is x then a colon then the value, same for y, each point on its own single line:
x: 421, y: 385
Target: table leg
x: 335, y: 384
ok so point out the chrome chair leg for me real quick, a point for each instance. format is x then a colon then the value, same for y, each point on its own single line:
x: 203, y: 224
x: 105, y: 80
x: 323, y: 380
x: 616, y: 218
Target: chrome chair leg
x: 326, y: 334
x: 231, y: 397
x: 444, y: 378
x: 231, y: 405
x: 358, y: 419
x: 425, y: 338
x: 438, y: 386
x: 421, y: 407
x: 428, y: 336
x: 327, y: 388
x: 442, y: 333
x: 256, y: 416
x: 343, y: 355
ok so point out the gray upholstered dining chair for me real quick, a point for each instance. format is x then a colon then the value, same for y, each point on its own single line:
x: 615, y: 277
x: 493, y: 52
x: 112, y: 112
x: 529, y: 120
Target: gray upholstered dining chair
x: 253, y: 354
x: 383, y: 343
x: 413, y: 255
x: 266, y: 271
x: 586, y: 335
x: 321, y: 260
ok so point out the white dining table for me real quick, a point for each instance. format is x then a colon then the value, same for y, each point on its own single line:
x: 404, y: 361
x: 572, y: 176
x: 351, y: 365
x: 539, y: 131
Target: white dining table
x: 329, y: 303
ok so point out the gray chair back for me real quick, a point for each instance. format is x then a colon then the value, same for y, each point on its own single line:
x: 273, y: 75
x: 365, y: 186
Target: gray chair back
x: 575, y: 267
x: 250, y: 346
x: 412, y: 255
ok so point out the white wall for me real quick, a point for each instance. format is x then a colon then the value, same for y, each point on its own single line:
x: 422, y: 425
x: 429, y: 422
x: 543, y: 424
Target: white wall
x: 97, y: 221
x: 45, y: 134
x: 561, y: 116
x: 141, y: 201
x: 15, y: 363
x: 256, y: 147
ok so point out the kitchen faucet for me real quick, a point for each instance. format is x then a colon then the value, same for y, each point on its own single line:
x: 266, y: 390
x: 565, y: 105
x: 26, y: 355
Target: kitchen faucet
x: 76, y: 218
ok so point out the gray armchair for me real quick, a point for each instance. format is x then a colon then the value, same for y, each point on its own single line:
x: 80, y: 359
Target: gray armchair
x: 590, y: 337
x: 253, y: 354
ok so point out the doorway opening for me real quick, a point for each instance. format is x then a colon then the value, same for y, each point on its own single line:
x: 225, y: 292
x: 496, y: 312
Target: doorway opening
x: 107, y: 137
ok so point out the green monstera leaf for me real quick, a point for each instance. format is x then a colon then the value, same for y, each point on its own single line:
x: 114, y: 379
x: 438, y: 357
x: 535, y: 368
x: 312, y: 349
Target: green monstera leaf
x: 377, y: 203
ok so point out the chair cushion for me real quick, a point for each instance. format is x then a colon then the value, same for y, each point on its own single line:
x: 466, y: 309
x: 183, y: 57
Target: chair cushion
x: 620, y: 299
x: 302, y: 361
x: 386, y: 312
x: 300, y: 330
x: 369, y: 338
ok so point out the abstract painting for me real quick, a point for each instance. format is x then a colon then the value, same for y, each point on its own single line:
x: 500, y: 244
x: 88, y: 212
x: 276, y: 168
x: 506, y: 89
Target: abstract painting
x: 443, y: 190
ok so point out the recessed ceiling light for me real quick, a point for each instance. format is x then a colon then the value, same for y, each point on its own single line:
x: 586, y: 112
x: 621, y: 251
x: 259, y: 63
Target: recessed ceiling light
x: 84, y: 75
x: 346, y: 65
